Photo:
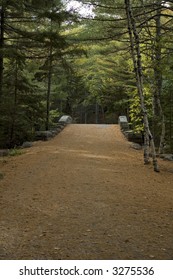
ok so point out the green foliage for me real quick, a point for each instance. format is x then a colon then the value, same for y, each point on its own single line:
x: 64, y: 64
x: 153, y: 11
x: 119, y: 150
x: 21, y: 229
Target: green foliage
x: 54, y: 63
x: 30, y: 30
x: 54, y: 116
x: 102, y: 74
x: 15, y: 152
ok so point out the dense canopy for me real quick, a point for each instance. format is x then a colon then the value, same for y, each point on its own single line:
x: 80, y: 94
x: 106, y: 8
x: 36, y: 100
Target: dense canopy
x: 106, y: 59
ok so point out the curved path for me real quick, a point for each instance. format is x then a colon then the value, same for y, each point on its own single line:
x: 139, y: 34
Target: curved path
x: 85, y: 195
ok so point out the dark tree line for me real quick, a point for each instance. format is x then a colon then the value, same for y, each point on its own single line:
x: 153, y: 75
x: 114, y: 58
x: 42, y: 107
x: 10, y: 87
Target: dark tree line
x: 33, y: 50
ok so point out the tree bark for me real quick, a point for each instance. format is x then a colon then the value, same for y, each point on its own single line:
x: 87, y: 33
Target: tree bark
x: 136, y: 57
x: 158, y: 79
x: 157, y: 85
x: 2, y: 22
x: 13, y: 119
x: 49, y: 88
x: 157, y: 64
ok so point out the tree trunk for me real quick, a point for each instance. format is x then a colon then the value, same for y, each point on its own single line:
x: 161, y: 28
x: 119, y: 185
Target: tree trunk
x: 2, y: 21
x: 157, y: 107
x: 157, y: 64
x: 49, y: 88
x: 13, y: 122
x: 136, y: 56
x: 158, y: 113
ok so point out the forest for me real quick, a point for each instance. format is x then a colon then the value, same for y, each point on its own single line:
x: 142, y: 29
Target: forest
x: 116, y: 59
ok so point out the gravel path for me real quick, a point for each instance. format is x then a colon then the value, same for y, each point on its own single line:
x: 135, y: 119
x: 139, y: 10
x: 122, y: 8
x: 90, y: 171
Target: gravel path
x: 85, y: 195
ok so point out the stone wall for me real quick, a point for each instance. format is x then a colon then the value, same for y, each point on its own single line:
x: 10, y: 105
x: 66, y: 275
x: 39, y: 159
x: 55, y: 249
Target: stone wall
x: 128, y: 133
x: 137, y: 138
x: 46, y: 135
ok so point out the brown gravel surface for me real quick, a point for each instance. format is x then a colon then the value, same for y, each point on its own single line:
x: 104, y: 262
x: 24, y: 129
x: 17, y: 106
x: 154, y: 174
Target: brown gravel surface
x: 85, y: 195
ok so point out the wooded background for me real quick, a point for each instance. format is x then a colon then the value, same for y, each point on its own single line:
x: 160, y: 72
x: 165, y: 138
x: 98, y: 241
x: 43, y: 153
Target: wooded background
x: 55, y: 61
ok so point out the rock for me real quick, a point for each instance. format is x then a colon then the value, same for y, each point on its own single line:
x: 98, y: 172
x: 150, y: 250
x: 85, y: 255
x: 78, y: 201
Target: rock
x: 58, y: 130
x: 122, y: 119
x: 130, y: 134
x: 152, y: 256
x: 54, y: 132
x: 4, y: 152
x: 61, y: 125
x: 133, y: 137
x: 65, y: 119
x: 136, y: 146
x: 123, y: 123
x: 43, y: 135
x: 167, y: 157
x: 27, y: 145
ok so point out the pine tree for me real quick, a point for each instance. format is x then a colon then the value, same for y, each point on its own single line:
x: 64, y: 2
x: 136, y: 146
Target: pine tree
x: 25, y: 36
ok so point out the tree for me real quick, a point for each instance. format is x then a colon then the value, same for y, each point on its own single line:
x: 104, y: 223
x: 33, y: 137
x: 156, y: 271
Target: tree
x: 136, y: 56
x: 2, y: 15
x: 25, y: 37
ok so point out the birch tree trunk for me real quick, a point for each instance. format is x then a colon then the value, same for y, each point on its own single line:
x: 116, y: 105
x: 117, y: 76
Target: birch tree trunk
x: 158, y: 79
x: 136, y: 57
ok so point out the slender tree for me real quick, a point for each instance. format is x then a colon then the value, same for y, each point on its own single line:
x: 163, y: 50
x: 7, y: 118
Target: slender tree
x: 136, y: 56
x: 2, y: 21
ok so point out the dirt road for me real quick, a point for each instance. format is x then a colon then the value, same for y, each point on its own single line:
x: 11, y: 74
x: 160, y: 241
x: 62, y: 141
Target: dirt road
x: 85, y: 195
